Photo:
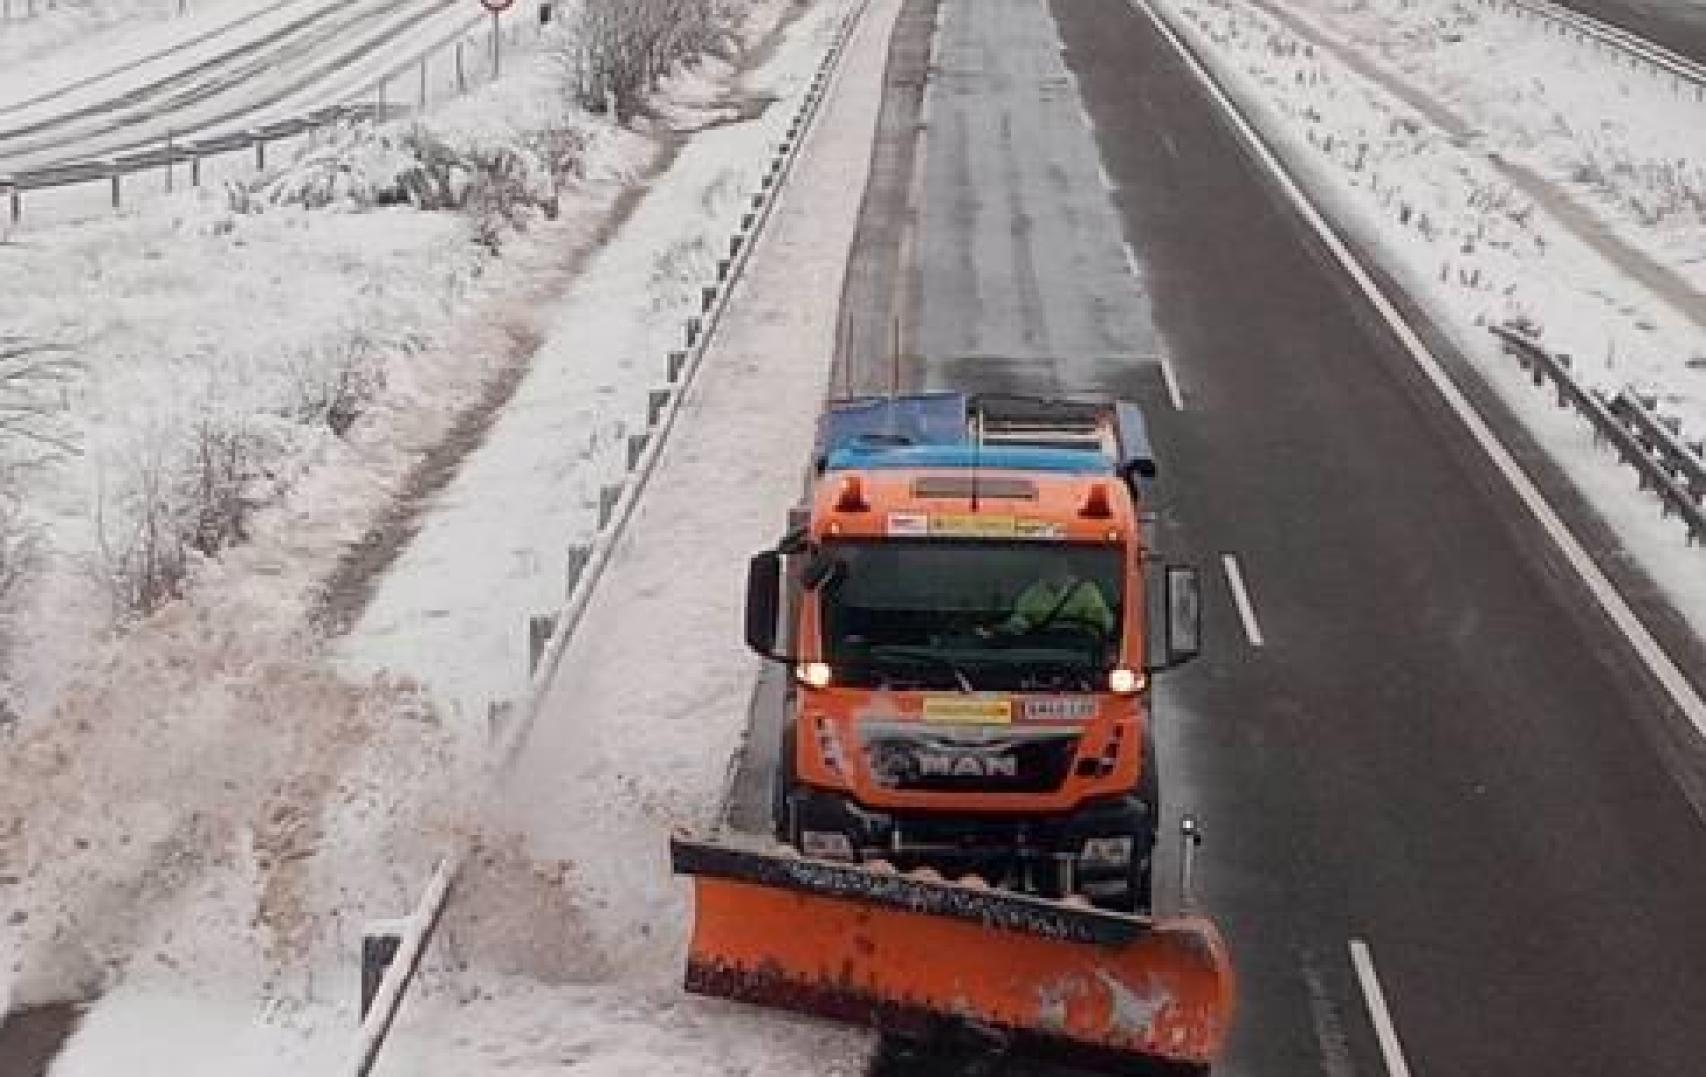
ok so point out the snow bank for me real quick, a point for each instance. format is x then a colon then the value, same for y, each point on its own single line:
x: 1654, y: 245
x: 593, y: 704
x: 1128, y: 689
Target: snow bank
x: 636, y: 735
x: 197, y: 820
x: 459, y: 622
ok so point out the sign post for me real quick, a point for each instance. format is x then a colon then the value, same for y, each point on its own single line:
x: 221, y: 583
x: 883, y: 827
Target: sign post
x: 496, y: 7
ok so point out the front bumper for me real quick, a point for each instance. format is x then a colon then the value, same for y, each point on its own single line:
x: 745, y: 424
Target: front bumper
x: 994, y: 846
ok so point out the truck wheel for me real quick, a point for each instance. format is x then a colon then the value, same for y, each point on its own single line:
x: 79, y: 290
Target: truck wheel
x: 1139, y: 892
x: 781, y: 806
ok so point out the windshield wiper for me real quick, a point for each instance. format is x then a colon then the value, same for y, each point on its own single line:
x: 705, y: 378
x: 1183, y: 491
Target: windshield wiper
x: 905, y: 652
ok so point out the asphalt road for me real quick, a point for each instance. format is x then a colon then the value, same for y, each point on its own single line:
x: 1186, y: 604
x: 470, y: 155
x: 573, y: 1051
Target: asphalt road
x: 1440, y: 747
x: 1678, y: 25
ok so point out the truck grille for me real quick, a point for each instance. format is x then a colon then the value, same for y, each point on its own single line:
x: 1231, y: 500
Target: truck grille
x: 915, y: 758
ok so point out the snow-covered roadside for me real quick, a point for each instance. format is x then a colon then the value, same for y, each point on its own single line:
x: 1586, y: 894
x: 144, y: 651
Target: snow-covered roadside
x: 198, y: 826
x: 637, y: 731
x: 70, y: 38
x: 458, y: 622
x: 1474, y: 249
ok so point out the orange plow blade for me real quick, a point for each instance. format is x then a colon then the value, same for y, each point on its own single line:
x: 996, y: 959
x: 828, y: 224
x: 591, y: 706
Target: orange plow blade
x: 938, y: 959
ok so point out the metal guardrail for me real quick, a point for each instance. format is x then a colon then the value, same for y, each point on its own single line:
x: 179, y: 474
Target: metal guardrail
x: 1667, y: 465
x: 392, y: 951
x: 174, y: 151
x: 1685, y: 73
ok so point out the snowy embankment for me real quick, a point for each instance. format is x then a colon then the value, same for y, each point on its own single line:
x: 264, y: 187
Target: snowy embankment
x: 579, y: 959
x: 1501, y: 175
x: 197, y: 814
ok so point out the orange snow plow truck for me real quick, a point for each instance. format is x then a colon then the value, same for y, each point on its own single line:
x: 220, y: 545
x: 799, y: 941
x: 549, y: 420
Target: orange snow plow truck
x: 966, y: 795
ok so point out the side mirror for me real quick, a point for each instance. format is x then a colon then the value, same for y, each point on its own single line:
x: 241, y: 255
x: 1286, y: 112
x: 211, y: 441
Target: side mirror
x: 1174, y: 612
x: 763, y: 602
x: 1184, y: 614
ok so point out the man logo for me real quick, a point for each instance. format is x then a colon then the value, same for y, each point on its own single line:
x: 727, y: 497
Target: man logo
x: 967, y: 765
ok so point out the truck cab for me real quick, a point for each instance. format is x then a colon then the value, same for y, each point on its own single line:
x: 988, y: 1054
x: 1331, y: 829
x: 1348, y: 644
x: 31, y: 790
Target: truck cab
x: 972, y: 613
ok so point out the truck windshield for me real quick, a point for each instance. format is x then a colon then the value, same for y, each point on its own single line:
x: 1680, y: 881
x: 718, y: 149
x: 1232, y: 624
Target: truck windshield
x: 971, y: 615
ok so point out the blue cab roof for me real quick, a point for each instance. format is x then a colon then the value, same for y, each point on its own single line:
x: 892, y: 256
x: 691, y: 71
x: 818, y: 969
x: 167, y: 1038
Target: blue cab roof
x: 933, y: 430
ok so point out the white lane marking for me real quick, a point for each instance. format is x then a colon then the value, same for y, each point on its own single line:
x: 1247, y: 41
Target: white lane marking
x: 1084, y: 114
x: 1641, y: 641
x: 1241, y: 596
x: 1384, y: 1030
x: 1131, y: 263
x: 1173, y: 394
x: 1107, y: 180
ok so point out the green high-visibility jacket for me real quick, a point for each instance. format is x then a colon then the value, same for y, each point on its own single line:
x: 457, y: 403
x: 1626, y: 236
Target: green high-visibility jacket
x: 1044, y: 604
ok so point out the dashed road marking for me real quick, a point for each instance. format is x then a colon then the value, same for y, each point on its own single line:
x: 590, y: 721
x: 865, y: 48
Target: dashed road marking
x: 1241, y: 597
x: 1384, y: 1030
x: 1176, y: 397
x: 1132, y: 265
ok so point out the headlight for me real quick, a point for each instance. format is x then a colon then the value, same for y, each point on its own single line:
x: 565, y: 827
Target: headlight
x: 813, y: 674
x: 1125, y: 682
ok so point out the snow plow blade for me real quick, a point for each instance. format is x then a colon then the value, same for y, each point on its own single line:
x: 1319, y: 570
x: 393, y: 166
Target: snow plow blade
x: 948, y: 961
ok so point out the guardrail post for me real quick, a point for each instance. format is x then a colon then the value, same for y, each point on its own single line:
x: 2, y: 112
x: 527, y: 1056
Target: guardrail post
x: 575, y: 564
x: 260, y: 153
x: 423, y: 82
x: 116, y: 174
x: 461, y: 72
x: 677, y: 360
x: 656, y: 401
x: 381, y: 104
x: 168, y: 162
x: 540, y: 628
x: 16, y: 198
x: 195, y: 170
x: 379, y: 943
x: 608, y: 495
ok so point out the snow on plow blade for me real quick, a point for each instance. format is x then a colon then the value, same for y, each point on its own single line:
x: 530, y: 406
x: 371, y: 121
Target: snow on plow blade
x: 936, y: 959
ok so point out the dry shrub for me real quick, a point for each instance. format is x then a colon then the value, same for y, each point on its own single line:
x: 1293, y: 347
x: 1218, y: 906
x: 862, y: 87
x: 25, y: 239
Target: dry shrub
x: 612, y: 53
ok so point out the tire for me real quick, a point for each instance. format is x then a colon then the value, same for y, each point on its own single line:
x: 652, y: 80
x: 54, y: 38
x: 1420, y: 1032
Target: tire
x: 782, y: 790
x: 1139, y: 893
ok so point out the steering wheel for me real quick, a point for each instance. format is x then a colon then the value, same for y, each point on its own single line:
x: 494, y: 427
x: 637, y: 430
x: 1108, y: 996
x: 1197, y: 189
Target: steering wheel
x: 1068, y: 626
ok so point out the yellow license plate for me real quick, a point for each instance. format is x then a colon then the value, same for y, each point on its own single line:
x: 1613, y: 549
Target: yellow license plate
x: 953, y: 709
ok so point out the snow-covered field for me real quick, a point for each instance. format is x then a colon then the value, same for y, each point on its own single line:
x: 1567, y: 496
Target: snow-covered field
x: 1501, y: 175
x: 197, y: 815
x: 563, y: 944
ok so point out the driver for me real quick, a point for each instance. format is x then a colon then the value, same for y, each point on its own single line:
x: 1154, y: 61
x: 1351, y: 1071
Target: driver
x: 1056, y: 597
